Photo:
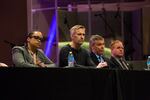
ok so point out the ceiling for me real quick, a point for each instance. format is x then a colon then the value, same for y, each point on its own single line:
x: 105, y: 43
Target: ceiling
x: 125, y: 6
x: 66, y: 2
x: 96, y: 5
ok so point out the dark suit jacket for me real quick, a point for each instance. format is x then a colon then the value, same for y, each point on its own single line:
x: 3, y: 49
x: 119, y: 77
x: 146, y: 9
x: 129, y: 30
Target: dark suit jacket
x: 95, y: 60
x: 22, y: 58
x: 114, y: 64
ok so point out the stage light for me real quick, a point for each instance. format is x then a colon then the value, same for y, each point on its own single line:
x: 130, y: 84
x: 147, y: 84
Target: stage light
x: 51, y: 36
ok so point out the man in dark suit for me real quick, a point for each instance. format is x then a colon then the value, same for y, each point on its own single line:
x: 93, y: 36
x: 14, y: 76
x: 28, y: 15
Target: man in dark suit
x: 30, y: 55
x: 97, y: 45
x: 117, y: 56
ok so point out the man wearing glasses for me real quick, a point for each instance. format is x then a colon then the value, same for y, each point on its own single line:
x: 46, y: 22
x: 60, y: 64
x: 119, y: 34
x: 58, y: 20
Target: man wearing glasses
x: 30, y: 55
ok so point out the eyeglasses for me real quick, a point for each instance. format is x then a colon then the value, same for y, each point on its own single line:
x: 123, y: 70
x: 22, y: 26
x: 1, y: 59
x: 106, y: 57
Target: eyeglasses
x: 37, y: 38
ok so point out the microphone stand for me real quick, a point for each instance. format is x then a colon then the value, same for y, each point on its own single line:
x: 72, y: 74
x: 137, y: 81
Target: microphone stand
x: 66, y: 22
x: 9, y: 43
x: 107, y: 24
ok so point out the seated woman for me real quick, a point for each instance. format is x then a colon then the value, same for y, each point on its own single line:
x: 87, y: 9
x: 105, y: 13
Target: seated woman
x: 30, y: 55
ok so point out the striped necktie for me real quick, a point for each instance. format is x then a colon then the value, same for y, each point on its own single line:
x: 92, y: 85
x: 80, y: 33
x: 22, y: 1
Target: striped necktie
x: 123, y: 64
x: 100, y: 59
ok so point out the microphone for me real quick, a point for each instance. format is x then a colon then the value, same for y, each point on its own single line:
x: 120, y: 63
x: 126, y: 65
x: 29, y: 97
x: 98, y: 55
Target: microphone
x: 65, y: 20
x: 104, y: 11
x: 118, y: 12
x: 45, y: 38
x: 11, y: 44
x: 98, y: 14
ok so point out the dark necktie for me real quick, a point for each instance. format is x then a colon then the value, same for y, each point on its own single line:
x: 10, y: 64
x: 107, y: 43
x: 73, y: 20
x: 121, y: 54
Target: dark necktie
x: 123, y: 64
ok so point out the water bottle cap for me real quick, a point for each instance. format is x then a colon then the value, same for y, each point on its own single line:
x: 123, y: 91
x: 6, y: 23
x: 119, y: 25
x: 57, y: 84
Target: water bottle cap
x: 70, y: 52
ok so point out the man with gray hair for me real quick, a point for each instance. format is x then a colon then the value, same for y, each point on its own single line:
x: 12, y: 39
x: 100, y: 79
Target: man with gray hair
x: 81, y: 55
x: 97, y: 45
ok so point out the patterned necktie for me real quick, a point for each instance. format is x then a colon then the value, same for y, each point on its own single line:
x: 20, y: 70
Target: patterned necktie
x: 100, y: 59
x: 123, y: 64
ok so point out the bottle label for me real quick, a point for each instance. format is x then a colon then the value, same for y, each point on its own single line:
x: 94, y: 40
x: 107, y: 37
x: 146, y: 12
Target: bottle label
x: 148, y: 65
x: 70, y: 64
x: 148, y: 62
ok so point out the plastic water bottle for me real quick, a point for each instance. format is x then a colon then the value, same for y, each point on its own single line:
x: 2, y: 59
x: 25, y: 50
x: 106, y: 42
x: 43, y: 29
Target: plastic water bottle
x: 71, y: 59
x: 148, y: 63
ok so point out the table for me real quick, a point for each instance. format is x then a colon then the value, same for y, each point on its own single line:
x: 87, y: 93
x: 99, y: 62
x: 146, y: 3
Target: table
x: 73, y: 84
